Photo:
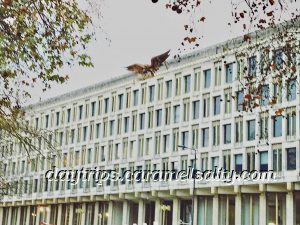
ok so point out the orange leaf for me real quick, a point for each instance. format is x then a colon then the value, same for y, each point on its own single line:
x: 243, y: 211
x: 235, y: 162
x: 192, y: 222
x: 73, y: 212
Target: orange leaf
x: 247, y: 37
x: 278, y: 112
x: 272, y: 2
x: 202, y: 19
x: 248, y: 96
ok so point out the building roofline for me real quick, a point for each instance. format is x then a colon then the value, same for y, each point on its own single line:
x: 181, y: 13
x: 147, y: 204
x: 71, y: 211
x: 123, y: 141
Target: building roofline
x: 220, y: 47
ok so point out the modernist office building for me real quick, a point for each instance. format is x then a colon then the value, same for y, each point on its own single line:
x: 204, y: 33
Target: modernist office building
x: 126, y: 124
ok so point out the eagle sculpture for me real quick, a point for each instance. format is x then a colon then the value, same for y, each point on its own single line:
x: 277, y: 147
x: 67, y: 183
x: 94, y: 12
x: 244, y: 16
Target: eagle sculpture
x: 147, y: 71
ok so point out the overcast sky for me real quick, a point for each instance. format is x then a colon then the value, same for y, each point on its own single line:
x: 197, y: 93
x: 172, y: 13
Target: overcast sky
x: 138, y: 30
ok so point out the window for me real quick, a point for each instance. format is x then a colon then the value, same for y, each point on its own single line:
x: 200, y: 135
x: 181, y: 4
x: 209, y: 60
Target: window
x: 158, y: 117
x: 277, y: 126
x: 277, y: 158
x: 226, y: 210
x: 263, y: 158
x: 141, y: 146
x: 250, y: 158
x: 186, y: 109
x: 204, y: 161
x: 250, y: 209
x: 185, y: 138
x: 252, y: 66
x: 276, y: 208
x: 47, y: 121
x: 100, y: 106
x: 106, y: 106
x: 227, y: 160
x: 92, y: 130
x: 144, y: 94
x: 68, y: 115
x: 178, y: 84
x: 119, y: 125
x: 175, y: 139
x: 142, y: 121
x: 151, y: 93
x: 113, y: 102
x: 157, y: 142
x: 120, y: 100
x: 215, y: 163
x: 166, y: 143
x: 176, y: 113
x: 264, y: 125
x: 216, y: 133
x: 205, y: 137
x: 167, y: 113
x: 264, y: 95
x: 291, y: 122
x: 195, y: 136
x: 160, y: 89
x: 217, y: 105
x: 291, y: 158
x: 238, y: 163
x: 227, y: 133
x: 111, y: 127
x: 218, y: 73
x: 105, y: 125
x: 197, y: 74
x: 187, y: 84
x: 277, y: 95
x: 84, y: 133
x: 150, y: 117
x: 239, y: 100
x: 196, y: 109
x: 148, y: 145
x: 93, y: 106
x: 206, y: 105
x: 134, y: 121
x: 207, y: 78
x: 278, y: 59
x: 229, y: 72
x: 125, y: 148
x: 57, y: 120
x: 135, y: 97
x: 250, y: 130
x: 291, y: 90
x: 169, y: 88
x: 227, y: 103
x: 126, y: 124
x: 240, y: 69
x: 128, y: 98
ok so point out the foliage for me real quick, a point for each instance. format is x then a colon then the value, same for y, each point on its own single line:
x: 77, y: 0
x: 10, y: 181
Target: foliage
x: 38, y: 38
x: 280, y: 47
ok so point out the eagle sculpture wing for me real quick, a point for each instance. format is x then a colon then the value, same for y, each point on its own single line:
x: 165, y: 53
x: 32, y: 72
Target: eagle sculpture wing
x: 157, y: 61
x: 148, y: 71
x: 136, y: 68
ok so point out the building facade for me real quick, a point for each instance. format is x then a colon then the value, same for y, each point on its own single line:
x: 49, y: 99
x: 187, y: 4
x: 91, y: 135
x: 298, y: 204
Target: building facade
x: 125, y: 124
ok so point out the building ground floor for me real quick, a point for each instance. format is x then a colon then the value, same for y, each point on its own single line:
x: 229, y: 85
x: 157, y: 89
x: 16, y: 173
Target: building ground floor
x: 162, y: 208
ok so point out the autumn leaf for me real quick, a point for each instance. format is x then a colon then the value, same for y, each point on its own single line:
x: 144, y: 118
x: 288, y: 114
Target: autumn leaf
x: 242, y: 15
x: 293, y: 69
x: 272, y: 2
x: 248, y: 97
x: 190, y: 39
x: 247, y: 37
x: 270, y: 13
x: 6, y: 2
x: 279, y: 112
x: 202, y: 19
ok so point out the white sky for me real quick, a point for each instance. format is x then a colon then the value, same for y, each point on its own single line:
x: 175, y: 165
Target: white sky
x: 138, y: 30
